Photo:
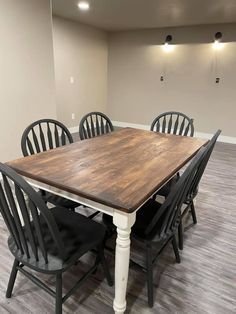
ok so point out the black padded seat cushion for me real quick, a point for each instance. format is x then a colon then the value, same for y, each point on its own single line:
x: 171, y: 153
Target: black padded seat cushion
x: 79, y: 233
x: 144, y: 216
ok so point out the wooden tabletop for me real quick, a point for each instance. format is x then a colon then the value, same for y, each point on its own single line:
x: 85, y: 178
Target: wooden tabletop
x: 121, y: 169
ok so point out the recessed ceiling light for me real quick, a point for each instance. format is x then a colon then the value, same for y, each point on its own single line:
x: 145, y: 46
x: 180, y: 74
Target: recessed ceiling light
x: 82, y: 5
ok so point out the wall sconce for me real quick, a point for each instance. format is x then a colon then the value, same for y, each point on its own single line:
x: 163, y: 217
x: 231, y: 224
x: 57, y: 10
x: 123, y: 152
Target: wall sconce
x: 167, y: 45
x: 217, y: 43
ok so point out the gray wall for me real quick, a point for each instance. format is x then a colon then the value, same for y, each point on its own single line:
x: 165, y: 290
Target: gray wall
x: 27, y: 88
x: 80, y: 52
x: 137, y: 60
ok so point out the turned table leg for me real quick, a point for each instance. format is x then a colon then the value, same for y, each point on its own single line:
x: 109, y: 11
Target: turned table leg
x: 123, y: 222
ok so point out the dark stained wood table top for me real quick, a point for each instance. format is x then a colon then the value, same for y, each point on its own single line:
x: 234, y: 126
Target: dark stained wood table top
x: 121, y: 169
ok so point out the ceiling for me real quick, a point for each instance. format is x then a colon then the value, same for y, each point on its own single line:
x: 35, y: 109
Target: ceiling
x: 113, y: 15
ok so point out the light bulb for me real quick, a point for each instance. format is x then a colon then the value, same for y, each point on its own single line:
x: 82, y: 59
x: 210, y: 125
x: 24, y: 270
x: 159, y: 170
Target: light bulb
x: 167, y: 47
x: 217, y: 45
x: 83, y: 5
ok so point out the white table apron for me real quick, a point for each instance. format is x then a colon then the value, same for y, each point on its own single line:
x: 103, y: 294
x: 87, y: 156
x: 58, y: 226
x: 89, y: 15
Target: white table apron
x: 123, y: 221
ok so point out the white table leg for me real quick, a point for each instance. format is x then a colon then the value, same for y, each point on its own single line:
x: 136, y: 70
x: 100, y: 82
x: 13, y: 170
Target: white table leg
x: 123, y: 222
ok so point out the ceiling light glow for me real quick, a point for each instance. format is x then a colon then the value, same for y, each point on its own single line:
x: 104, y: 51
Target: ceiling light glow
x: 83, y: 5
x: 167, y: 47
x: 218, y: 45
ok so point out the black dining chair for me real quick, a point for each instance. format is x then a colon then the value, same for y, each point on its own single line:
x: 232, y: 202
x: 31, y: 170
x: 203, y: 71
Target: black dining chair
x: 173, y: 122
x: 91, y: 125
x: 94, y: 124
x: 43, y: 135
x: 46, y: 241
x: 193, y: 188
x: 157, y: 224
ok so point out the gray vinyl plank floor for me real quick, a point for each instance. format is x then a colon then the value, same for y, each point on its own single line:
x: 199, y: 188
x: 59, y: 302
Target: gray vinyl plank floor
x: 204, y: 282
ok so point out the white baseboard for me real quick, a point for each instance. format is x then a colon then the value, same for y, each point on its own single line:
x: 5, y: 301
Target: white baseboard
x: 222, y: 138
x: 74, y: 129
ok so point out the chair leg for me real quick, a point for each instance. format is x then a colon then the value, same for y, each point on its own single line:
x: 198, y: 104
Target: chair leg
x: 58, y: 294
x: 193, y: 212
x: 12, y: 279
x: 180, y: 234
x: 149, y: 275
x: 175, y: 248
x: 105, y: 266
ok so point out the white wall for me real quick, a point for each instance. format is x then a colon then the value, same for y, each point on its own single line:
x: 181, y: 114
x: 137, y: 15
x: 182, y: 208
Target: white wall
x: 136, y: 62
x: 80, y: 52
x: 26, y: 70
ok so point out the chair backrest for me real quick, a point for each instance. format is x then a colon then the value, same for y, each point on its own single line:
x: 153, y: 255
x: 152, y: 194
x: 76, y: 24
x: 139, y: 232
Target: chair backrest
x: 202, y: 166
x: 26, y: 217
x: 171, y: 208
x: 43, y: 135
x: 173, y: 122
x: 94, y: 124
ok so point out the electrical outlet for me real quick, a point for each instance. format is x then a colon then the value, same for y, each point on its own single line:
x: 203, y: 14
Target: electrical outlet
x: 73, y: 116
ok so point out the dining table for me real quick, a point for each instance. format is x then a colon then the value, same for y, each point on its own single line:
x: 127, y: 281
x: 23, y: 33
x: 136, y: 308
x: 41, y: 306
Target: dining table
x: 116, y: 174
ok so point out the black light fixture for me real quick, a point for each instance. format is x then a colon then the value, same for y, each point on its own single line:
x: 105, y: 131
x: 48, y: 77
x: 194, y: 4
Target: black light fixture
x: 218, y: 36
x: 167, y: 46
x: 217, y: 42
x: 168, y: 39
x: 218, y: 45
